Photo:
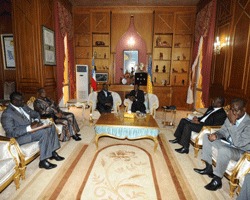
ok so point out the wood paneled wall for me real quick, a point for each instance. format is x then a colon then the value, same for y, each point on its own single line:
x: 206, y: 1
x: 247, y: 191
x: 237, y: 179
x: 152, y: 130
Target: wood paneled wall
x: 231, y: 68
x: 5, y: 28
x: 31, y: 73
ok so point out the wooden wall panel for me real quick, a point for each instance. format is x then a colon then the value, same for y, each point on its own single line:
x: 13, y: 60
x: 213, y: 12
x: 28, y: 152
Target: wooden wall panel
x: 233, y: 20
x: 164, y: 22
x: 100, y: 22
x: 48, y: 78
x: 26, y: 42
x: 219, y: 74
x: 5, y: 28
x: 240, y: 54
x: 184, y: 23
x: 82, y: 23
x: 31, y: 73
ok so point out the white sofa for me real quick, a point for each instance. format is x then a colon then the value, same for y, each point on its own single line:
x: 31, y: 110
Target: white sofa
x: 9, y: 163
x: 92, y: 101
x: 151, y: 103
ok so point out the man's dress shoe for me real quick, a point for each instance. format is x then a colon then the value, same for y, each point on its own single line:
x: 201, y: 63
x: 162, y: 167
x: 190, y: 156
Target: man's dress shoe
x: 182, y: 150
x: 46, y: 164
x: 215, y: 184
x: 77, y: 134
x: 173, y: 141
x: 76, y: 138
x: 56, y: 156
x: 205, y: 171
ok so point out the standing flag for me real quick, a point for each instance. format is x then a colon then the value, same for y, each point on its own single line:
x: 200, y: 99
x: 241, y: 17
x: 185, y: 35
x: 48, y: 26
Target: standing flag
x: 93, y: 77
x: 149, y: 78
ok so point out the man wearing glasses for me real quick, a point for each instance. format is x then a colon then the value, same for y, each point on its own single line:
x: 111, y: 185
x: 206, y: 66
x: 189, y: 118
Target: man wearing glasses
x: 231, y: 141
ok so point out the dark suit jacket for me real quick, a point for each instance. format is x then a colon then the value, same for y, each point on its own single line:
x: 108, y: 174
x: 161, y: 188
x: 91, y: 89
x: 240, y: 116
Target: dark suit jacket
x: 138, y: 103
x: 15, y: 124
x: 102, y: 100
x: 216, y: 118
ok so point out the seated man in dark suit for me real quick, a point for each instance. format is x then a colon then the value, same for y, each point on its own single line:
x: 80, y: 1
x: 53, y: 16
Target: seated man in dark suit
x: 215, y: 115
x: 138, y: 98
x: 22, y: 123
x: 104, y: 100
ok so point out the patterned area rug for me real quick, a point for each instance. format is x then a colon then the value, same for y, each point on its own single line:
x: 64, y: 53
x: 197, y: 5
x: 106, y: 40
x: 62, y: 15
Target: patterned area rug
x: 118, y: 170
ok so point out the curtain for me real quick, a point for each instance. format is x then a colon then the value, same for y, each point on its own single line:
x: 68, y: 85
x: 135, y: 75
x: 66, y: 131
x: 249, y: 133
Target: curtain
x: 203, y: 50
x: 63, y: 27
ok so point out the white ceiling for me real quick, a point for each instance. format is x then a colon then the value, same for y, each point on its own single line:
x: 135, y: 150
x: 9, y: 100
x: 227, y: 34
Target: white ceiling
x: 134, y: 2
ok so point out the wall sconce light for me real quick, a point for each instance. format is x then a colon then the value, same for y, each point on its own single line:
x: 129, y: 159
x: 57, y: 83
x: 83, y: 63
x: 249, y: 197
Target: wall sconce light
x: 218, y: 44
x: 131, y: 42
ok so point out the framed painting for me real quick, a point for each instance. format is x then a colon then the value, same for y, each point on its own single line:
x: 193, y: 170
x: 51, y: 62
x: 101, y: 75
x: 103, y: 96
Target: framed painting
x: 7, y: 42
x: 49, y: 50
x: 102, y: 77
x: 130, y: 60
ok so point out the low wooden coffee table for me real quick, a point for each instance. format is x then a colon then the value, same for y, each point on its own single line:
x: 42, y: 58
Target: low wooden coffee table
x: 116, y: 126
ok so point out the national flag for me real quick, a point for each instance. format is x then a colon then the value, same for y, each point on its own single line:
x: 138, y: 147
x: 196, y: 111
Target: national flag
x: 93, y: 77
x: 149, y: 78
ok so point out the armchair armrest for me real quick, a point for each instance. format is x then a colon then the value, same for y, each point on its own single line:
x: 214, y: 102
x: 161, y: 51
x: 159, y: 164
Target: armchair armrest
x: 241, y: 169
x: 10, y: 170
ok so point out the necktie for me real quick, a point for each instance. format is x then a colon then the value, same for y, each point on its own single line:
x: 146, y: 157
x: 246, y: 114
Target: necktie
x: 23, y: 114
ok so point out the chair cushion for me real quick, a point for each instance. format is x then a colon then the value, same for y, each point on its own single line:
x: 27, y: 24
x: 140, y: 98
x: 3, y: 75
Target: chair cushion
x: 30, y: 149
x: 7, y: 168
x: 245, y: 167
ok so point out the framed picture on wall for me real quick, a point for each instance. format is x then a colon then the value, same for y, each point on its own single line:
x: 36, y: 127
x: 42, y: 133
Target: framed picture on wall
x: 49, y: 50
x: 7, y: 42
x: 130, y: 60
x: 102, y: 77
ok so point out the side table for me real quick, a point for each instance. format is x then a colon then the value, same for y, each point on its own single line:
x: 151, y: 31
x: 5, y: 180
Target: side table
x: 172, y: 112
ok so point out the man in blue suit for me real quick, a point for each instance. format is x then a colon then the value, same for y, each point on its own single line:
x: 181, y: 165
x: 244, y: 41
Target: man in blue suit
x: 22, y: 123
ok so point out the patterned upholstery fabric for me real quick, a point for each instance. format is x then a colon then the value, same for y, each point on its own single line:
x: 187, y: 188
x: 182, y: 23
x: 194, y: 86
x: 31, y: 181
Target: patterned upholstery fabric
x: 8, y: 166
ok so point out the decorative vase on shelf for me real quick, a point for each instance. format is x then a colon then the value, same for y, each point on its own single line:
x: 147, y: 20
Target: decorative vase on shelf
x: 164, y: 69
x: 156, y: 68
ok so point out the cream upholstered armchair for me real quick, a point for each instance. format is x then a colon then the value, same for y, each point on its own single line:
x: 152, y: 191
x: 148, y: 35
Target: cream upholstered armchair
x: 9, y: 163
x: 151, y: 103
x: 236, y: 170
x: 26, y: 153
x: 92, y: 101
x: 197, y: 138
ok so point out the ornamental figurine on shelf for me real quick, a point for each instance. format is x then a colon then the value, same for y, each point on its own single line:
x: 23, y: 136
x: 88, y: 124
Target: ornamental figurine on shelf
x: 164, y: 69
x: 161, y: 56
x: 158, y: 41
x: 177, y: 45
x: 156, y: 68
x: 141, y: 66
x: 183, y: 57
x: 95, y: 54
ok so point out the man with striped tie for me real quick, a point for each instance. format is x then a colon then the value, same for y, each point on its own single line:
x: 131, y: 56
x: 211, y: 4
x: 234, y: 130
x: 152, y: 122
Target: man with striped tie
x: 22, y: 123
x: 215, y: 115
